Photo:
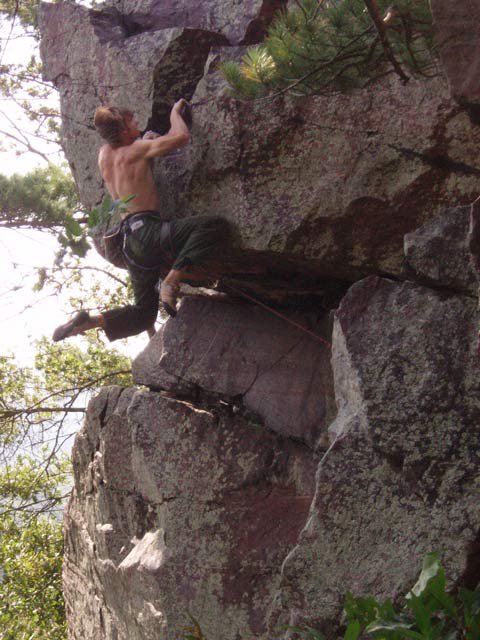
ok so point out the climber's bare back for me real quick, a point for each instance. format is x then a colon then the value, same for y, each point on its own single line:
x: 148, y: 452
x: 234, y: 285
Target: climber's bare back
x: 127, y: 172
x: 126, y: 169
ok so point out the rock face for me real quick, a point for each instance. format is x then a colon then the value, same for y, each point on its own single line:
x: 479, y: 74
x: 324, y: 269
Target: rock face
x: 177, y: 511
x: 270, y: 463
x: 245, y: 355
x: 403, y: 477
x: 334, y: 180
x: 458, y: 36
x: 439, y: 252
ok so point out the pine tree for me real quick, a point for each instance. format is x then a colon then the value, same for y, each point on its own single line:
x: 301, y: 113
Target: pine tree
x: 323, y: 47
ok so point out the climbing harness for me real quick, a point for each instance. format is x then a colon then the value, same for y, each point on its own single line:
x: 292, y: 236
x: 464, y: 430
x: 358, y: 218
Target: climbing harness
x: 134, y: 222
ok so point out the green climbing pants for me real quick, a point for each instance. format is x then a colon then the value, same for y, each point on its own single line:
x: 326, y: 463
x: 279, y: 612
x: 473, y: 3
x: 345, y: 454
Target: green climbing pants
x: 151, y: 247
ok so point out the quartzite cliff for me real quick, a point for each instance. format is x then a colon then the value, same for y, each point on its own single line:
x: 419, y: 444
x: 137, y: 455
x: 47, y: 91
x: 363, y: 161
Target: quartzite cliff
x: 354, y: 216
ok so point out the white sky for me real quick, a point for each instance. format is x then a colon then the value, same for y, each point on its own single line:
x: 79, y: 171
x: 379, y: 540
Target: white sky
x: 27, y: 315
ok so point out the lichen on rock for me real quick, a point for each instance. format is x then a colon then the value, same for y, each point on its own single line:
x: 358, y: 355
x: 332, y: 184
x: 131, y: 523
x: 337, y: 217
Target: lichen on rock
x: 256, y: 474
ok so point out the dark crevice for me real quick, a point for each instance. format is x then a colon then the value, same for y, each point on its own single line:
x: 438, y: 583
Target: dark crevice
x: 472, y: 110
x: 437, y: 161
x: 188, y: 52
x: 103, y: 413
x: 110, y: 25
x: 412, y: 278
x: 130, y: 27
x: 426, y: 282
x: 471, y: 576
x: 258, y: 27
x: 395, y: 460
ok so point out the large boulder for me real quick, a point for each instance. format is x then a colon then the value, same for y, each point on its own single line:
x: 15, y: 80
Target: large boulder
x: 249, y: 357
x: 336, y: 180
x: 402, y: 478
x: 457, y: 26
x: 439, y: 252
x: 178, y: 512
x: 241, y: 22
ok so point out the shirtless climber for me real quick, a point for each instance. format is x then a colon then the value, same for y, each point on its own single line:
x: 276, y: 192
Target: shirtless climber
x: 151, y: 246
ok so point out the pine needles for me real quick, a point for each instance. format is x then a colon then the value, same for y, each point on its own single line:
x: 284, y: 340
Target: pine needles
x: 324, y: 47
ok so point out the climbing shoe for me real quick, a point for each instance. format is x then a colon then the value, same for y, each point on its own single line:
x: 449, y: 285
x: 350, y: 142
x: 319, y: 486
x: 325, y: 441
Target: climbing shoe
x: 65, y: 330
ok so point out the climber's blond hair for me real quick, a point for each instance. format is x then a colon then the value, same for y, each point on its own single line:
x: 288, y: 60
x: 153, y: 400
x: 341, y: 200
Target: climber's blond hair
x: 110, y: 123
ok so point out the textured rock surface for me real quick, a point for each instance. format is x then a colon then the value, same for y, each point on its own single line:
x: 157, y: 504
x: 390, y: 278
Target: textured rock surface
x: 248, y: 356
x: 178, y: 510
x: 458, y: 35
x: 182, y: 507
x: 338, y: 180
x: 403, y: 479
x: 474, y: 238
x: 439, y: 252
x: 241, y: 22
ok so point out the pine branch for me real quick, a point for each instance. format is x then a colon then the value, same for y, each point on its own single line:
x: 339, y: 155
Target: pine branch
x: 316, y: 69
x: 382, y: 33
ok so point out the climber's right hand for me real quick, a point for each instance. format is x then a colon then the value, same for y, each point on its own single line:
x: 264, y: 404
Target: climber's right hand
x: 178, y: 106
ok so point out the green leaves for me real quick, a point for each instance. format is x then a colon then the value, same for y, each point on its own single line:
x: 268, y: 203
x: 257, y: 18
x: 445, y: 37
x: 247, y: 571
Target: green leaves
x: 429, y: 612
x: 34, y: 406
x: 325, y: 47
x: 353, y: 630
x: 41, y: 199
x: 31, y: 549
x: 75, y: 237
x: 471, y: 612
x: 107, y: 209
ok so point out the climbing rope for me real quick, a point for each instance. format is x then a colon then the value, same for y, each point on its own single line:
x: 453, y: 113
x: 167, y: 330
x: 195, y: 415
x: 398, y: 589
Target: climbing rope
x: 285, y: 318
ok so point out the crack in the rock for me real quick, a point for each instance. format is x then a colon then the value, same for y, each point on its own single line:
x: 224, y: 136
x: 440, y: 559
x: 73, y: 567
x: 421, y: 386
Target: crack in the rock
x: 136, y: 495
x: 412, y: 278
x: 471, y: 576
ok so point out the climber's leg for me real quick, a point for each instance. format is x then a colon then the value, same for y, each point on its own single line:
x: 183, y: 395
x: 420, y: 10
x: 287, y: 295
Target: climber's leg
x: 198, y: 239
x: 80, y: 323
x: 194, y: 241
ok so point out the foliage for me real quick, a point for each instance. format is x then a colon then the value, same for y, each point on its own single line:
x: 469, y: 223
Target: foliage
x: 106, y: 213
x: 31, y: 549
x: 428, y: 613
x: 36, y: 402
x: 22, y: 84
x: 31, y: 604
x: 39, y: 407
x: 74, y: 238
x: 25, y: 10
x: 328, y: 46
x: 45, y: 199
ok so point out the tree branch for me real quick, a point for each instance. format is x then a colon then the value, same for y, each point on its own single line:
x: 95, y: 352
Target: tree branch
x: 12, y: 413
x: 374, y: 12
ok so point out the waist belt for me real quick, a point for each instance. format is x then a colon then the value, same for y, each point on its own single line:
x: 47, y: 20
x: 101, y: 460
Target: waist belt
x: 136, y: 221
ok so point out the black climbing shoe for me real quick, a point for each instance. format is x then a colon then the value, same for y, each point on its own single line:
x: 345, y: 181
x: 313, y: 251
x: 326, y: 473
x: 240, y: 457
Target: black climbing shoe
x: 64, y: 330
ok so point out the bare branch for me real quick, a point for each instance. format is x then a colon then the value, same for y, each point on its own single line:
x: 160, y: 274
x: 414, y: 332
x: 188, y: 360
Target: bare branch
x: 382, y: 33
x: 18, y: 412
